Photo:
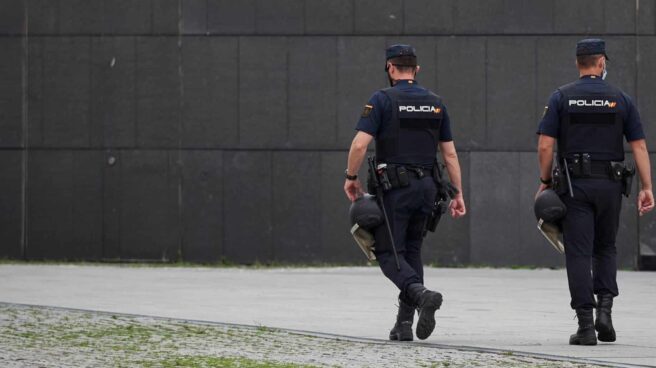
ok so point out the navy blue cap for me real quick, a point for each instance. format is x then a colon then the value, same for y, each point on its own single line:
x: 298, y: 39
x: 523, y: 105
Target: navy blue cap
x: 399, y: 50
x: 591, y: 46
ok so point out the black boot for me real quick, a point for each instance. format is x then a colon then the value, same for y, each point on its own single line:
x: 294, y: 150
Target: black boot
x: 585, y: 335
x: 427, y: 302
x: 604, y: 323
x: 402, y: 330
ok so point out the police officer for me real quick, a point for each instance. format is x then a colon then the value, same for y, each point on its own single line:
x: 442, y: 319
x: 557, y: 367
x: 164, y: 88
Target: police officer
x: 408, y: 123
x: 588, y: 119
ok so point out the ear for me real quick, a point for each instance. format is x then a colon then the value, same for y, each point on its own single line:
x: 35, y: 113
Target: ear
x: 417, y: 70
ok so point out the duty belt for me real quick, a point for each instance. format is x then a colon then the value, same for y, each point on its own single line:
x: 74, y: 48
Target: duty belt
x: 591, y: 169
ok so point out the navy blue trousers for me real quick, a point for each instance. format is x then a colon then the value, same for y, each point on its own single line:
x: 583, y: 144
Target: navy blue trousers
x: 589, y: 231
x: 408, y: 209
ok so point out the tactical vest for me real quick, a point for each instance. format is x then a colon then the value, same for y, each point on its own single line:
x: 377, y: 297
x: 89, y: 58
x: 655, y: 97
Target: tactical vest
x: 413, y: 131
x: 591, y: 123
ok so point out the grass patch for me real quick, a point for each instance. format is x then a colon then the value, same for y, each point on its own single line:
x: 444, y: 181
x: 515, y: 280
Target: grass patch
x: 223, y: 362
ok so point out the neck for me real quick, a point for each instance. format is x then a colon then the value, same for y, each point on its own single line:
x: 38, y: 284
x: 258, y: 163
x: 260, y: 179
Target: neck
x: 590, y: 71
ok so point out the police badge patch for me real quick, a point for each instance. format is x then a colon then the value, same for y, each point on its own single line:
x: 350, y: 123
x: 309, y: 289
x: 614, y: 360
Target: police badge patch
x: 367, y: 110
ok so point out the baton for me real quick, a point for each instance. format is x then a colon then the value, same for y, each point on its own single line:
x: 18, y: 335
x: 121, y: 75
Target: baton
x: 569, y: 180
x: 379, y: 194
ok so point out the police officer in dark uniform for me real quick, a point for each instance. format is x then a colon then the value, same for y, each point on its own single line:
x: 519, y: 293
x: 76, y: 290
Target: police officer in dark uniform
x: 589, y: 119
x: 408, y: 123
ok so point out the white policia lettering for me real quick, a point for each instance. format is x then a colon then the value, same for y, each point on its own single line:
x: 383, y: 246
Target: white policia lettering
x: 596, y: 103
x: 424, y: 108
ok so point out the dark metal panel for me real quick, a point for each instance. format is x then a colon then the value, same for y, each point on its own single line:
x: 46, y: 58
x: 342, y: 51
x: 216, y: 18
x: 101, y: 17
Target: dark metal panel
x: 248, y: 227
x: 449, y: 245
x: 80, y: 16
x: 148, y: 205
x: 378, y: 16
x: 202, y: 205
x: 555, y: 62
x: 12, y: 17
x: 329, y: 17
x: 646, y: 17
x: 11, y: 211
x: 42, y: 17
x: 645, y: 86
x: 66, y: 91
x: 646, y: 223
x: 64, y: 205
x: 263, y: 91
x: 534, y: 250
x: 122, y: 17
x: 360, y: 63
x: 158, y: 92
x: 428, y: 16
x: 494, y: 209
x: 11, y: 92
x: 194, y: 16
x: 510, y: 115
x: 526, y: 16
x: 312, y: 92
x: 622, y: 65
x: 279, y: 17
x: 113, y: 82
x: 210, y: 113
x: 296, y: 206
x: 584, y: 17
x: 465, y: 97
x: 620, y: 16
x: 337, y: 243
x: 479, y: 17
x: 231, y: 17
x: 35, y: 93
x: 166, y: 16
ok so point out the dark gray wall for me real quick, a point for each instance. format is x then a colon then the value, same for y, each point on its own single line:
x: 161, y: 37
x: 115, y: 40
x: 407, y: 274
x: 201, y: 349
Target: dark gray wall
x: 212, y: 129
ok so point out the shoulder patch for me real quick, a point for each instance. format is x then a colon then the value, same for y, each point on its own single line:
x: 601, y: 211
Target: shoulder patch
x: 546, y: 108
x: 367, y: 110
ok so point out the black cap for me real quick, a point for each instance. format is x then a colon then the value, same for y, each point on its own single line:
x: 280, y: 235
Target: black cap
x: 591, y: 46
x: 399, y: 50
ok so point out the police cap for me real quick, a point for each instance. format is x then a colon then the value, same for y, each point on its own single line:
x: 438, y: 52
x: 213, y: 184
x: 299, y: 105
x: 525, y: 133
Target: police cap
x: 591, y: 46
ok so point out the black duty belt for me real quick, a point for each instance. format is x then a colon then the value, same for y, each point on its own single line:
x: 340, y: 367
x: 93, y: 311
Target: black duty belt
x: 593, y: 169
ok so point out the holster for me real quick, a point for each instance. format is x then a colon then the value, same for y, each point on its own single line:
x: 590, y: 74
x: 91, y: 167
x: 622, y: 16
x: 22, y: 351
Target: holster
x: 559, y: 179
x: 624, y: 171
x: 445, y: 192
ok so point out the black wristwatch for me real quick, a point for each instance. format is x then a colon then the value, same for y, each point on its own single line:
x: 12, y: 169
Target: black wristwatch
x: 546, y: 182
x: 350, y: 177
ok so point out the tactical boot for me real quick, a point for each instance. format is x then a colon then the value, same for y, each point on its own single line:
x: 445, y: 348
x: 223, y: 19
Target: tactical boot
x: 604, y: 323
x: 427, y: 302
x: 402, y: 330
x: 585, y: 335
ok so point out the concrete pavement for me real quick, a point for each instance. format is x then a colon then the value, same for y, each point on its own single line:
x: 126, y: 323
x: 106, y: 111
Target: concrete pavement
x: 519, y: 310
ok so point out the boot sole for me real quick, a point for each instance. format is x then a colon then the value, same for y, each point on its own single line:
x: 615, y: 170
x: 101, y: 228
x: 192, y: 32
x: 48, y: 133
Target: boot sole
x: 426, y: 323
x: 400, y: 337
x: 605, y: 334
x: 588, y: 340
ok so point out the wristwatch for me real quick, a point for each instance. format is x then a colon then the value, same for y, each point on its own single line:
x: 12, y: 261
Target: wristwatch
x: 350, y: 177
x: 546, y: 182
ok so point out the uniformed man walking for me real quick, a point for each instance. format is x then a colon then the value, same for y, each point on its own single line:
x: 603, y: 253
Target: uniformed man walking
x: 589, y: 118
x: 408, y: 122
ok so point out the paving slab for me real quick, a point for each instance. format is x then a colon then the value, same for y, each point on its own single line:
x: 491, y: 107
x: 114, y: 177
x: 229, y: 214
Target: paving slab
x: 517, y: 310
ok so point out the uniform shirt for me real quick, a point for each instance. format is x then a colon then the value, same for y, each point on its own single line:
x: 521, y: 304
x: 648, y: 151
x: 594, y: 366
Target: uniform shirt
x: 550, y: 123
x: 378, y: 113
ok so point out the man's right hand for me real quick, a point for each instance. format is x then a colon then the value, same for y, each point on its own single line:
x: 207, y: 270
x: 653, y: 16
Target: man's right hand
x: 353, y: 189
x: 645, y: 201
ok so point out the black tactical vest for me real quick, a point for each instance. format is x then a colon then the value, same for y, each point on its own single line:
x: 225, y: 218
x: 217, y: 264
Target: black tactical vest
x: 413, y: 131
x: 591, y: 122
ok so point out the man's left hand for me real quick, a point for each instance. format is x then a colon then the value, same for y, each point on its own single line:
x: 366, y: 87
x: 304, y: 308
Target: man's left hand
x: 353, y: 189
x: 541, y: 189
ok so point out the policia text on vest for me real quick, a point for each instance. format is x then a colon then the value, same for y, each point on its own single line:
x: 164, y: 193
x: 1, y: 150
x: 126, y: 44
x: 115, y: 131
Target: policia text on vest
x: 408, y: 123
x: 588, y: 121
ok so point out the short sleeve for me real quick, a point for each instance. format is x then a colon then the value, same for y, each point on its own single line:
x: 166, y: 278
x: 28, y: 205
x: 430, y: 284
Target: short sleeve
x: 550, y: 122
x: 445, y: 127
x: 632, y: 124
x: 372, y: 114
